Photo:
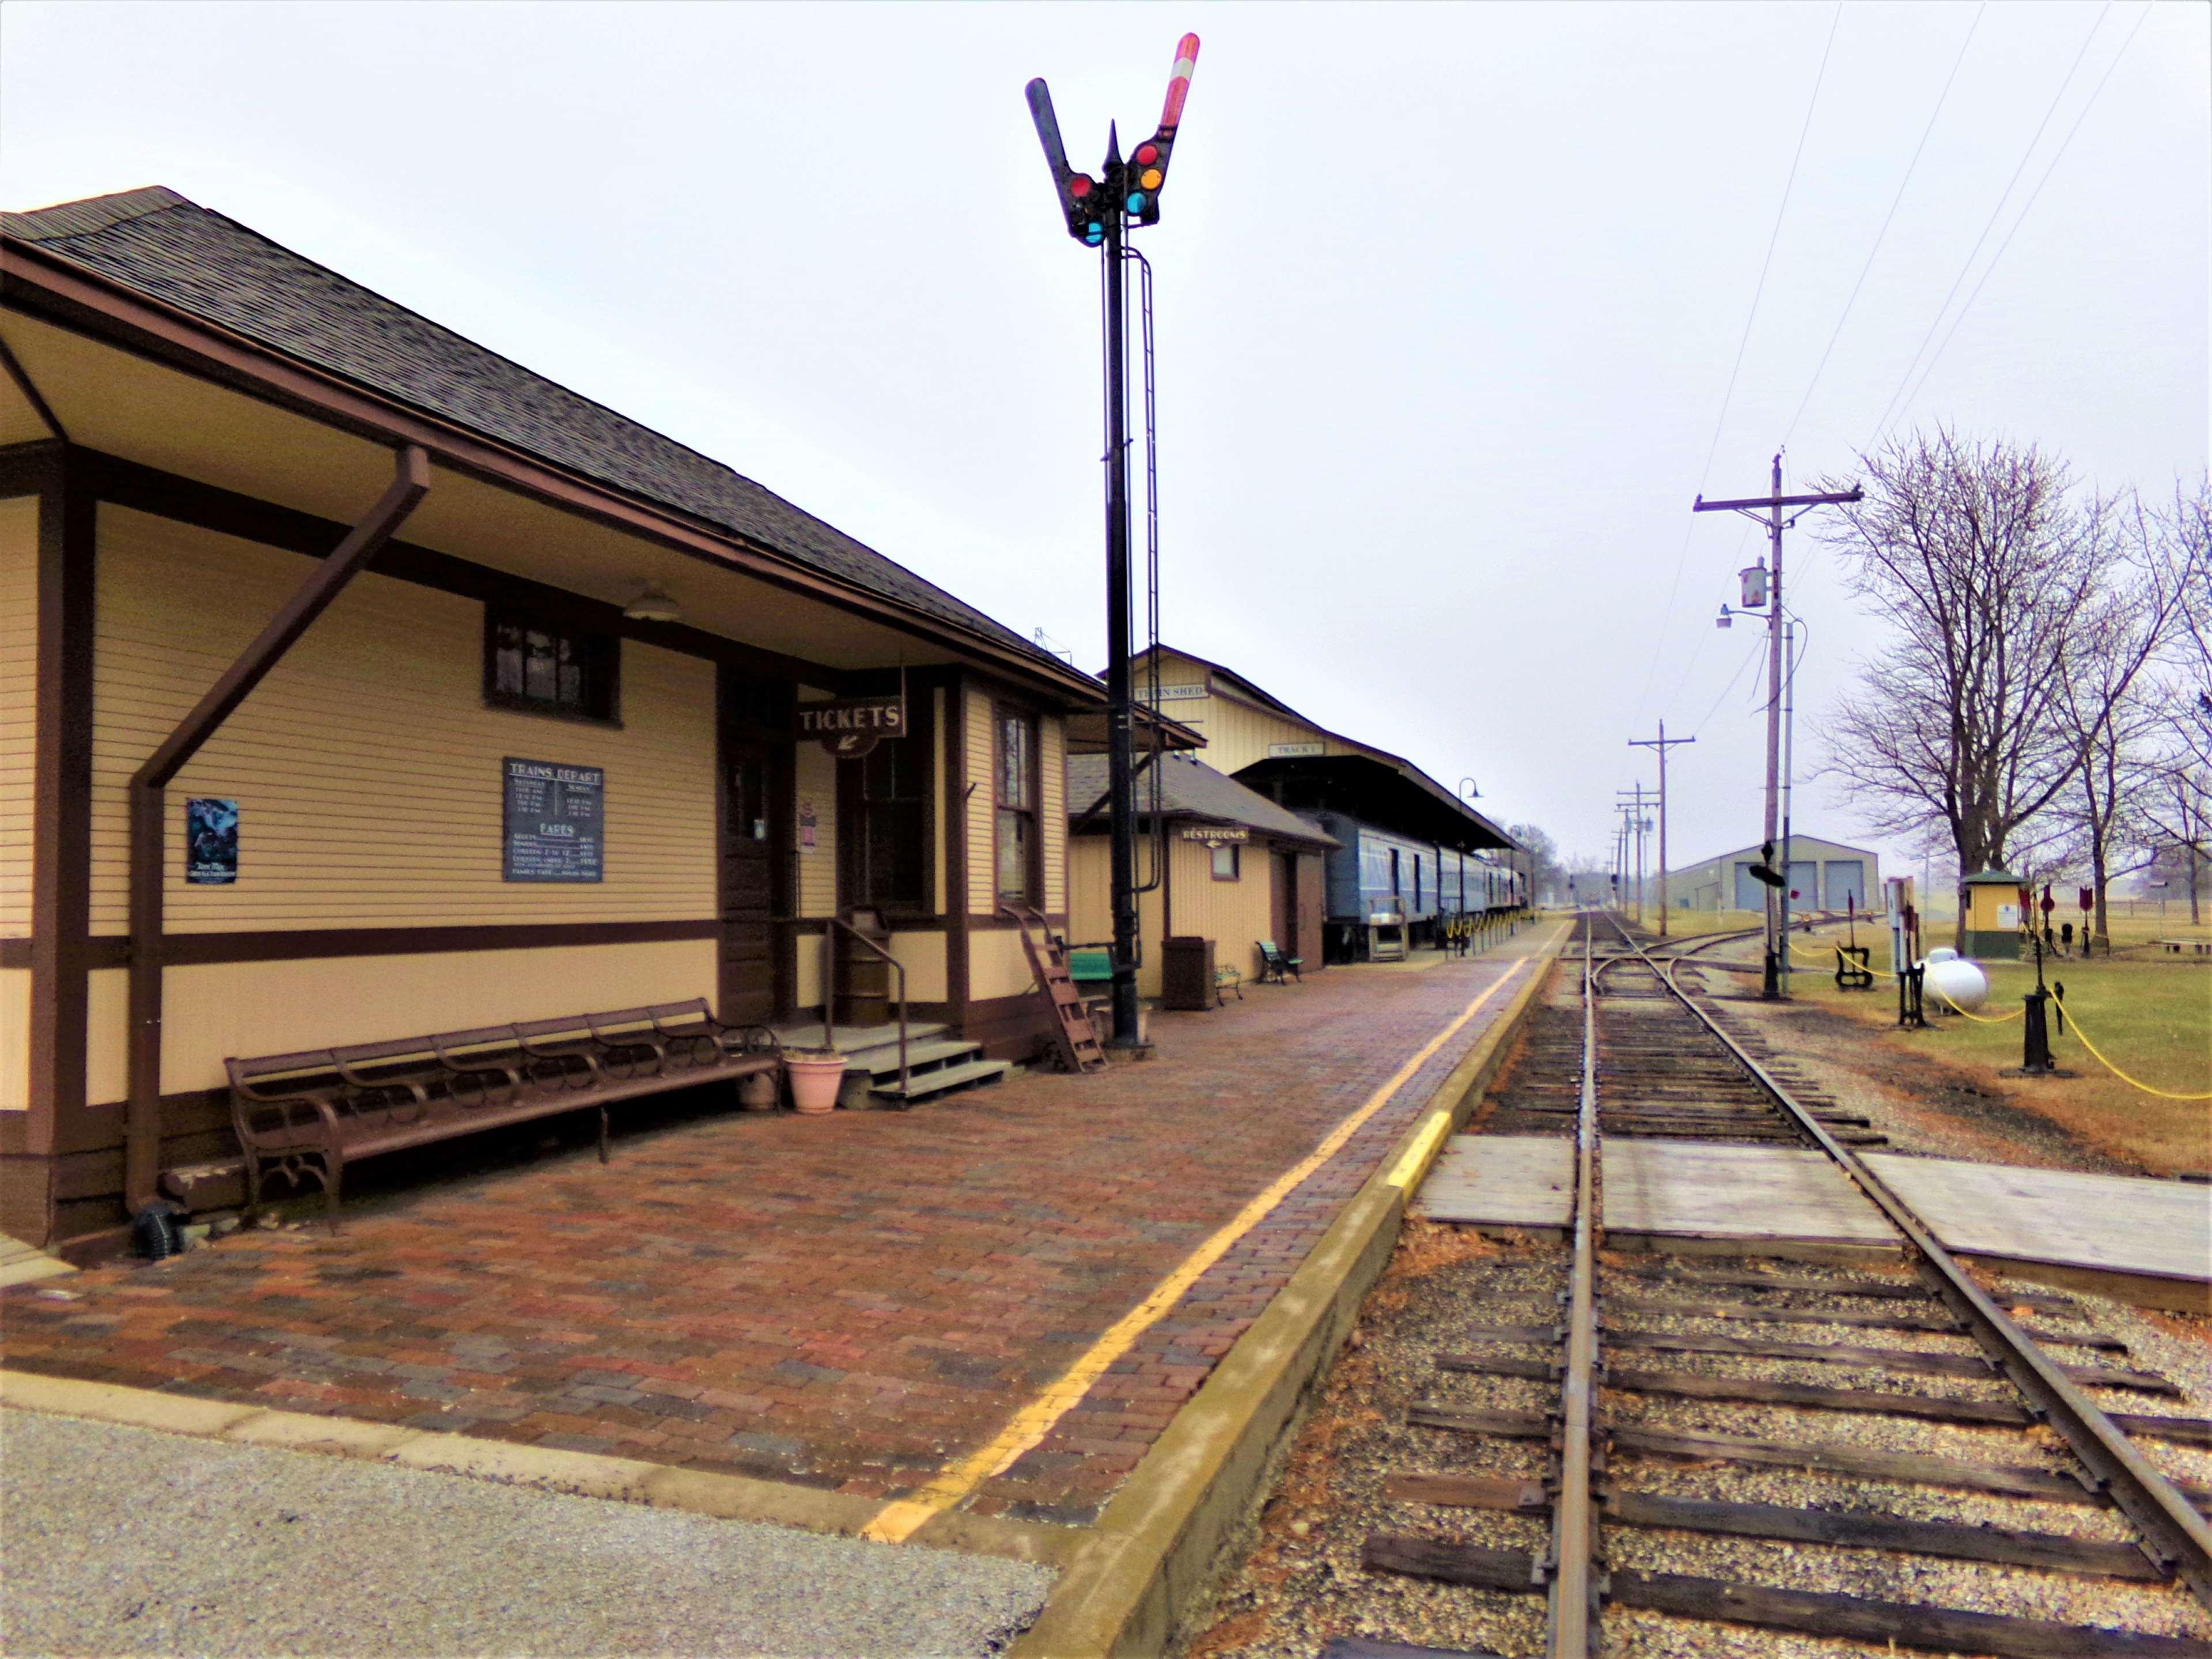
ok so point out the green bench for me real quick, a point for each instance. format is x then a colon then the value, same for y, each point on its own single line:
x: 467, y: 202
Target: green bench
x: 1275, y: 968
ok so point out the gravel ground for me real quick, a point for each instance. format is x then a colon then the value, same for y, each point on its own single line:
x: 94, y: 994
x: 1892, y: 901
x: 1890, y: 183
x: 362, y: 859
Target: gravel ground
x: 121, y: 1541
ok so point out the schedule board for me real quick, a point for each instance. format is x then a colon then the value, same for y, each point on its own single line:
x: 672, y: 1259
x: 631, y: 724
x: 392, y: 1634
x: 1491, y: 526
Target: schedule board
x: 552, y: 821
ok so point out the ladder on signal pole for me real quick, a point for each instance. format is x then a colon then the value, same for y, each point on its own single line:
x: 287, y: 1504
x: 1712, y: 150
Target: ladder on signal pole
x: 1078, y: 1043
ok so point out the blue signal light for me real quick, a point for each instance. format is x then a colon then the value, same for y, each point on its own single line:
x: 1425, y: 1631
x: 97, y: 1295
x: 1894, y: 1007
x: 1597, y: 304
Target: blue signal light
x: 1136, y: 201
x: 1094, y: 232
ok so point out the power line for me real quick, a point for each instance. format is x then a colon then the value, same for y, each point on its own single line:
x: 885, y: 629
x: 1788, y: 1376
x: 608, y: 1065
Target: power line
x: 1728, y: 396
x: 1894, y: 202
x: 2026, y: 208
x: 2005, y: 196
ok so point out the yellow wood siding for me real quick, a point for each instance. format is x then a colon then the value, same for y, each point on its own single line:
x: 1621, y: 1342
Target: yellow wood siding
x: 1234, y: 915
x: 816, y: 769
x: 997, y: 966
x: 14, y: 1039
x: 18, y: 706
x: 981, y: 757
x: 1237, y: 734
x: 274, y: 1007
x: 366, y: 767
x: 1052, y: 812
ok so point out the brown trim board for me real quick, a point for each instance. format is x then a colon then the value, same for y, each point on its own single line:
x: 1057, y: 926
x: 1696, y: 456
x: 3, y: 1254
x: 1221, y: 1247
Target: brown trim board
x: 60, y: 801
x: 307, y: 943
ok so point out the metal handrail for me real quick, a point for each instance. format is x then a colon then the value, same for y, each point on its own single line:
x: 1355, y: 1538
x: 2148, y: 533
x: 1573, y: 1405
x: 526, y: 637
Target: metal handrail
x: 829, y: 990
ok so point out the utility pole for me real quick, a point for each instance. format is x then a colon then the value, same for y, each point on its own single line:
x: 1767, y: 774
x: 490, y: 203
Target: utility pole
x: 1752, y: 508
x: 1639, y: 825
x: 1662, y: 743
x: 1098, y: 212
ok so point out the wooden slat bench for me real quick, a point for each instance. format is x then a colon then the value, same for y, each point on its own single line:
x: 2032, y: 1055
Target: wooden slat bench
x: 309, y: 1113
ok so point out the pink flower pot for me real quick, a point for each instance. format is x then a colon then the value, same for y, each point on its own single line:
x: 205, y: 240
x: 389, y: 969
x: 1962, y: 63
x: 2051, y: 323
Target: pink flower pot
x: 814, y: 1081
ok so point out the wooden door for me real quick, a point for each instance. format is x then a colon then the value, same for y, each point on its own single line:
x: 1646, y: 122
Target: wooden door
x: 1284, y: 874
x: 750, y: 815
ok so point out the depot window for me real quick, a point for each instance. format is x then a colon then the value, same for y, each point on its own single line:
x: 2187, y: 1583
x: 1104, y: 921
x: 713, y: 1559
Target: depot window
x: 1015, y: 782
x: 547, y: 667
x: 889, y: 821
x: 1227, y: 866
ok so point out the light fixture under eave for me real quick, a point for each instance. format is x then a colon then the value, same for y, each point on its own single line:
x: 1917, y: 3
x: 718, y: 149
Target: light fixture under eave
x: 653, y: 604
x: 1726, y: 619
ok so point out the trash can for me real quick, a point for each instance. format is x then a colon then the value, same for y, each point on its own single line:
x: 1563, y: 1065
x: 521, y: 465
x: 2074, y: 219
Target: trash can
x: 1187, y: 972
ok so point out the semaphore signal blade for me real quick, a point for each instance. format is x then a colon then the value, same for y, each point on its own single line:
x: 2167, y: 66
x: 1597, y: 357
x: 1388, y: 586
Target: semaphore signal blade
x: 1048, y: 130
x: 1186, y: 60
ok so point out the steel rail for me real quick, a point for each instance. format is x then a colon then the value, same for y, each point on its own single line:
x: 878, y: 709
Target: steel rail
x: 1572, y: 1593
x: 2175, y: 1534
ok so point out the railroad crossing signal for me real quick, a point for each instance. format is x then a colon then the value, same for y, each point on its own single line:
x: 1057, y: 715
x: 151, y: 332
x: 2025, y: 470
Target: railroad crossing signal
x: 1132, y: 187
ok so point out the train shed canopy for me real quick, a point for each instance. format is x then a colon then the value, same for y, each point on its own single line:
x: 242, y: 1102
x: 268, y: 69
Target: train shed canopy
x: 1379, y: 789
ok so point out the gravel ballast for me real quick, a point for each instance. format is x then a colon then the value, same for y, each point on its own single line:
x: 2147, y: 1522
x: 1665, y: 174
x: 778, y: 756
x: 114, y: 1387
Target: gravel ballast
x: 123, y: 1540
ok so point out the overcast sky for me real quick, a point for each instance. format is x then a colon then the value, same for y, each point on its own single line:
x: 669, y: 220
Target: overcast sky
x: 1449, y: 297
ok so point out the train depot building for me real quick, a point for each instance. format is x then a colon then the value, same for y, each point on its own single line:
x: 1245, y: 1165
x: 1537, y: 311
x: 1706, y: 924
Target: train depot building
x: 1407, y: 852
x: 1824, y: 875
x: 599, y: 723
x: 1215, y: 861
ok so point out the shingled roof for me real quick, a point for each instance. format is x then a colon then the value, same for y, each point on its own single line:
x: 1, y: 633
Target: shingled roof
x: 1190, y: 788
x: 160, y: 245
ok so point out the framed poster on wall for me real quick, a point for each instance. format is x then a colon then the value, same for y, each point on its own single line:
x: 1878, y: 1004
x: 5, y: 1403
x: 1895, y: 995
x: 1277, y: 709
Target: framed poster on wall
x: 552, y: 821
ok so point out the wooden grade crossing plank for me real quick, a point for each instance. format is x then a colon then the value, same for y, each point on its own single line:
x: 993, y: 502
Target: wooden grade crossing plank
x: 2120, y: 1223
x: 1938, y: 1629
x: 1703, y: 1189
x: 1502, y: 1180
x: 2053, y: 1551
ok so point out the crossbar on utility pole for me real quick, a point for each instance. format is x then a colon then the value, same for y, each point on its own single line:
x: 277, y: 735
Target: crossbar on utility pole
x: 1662, y: 743
x: 1751, y: 507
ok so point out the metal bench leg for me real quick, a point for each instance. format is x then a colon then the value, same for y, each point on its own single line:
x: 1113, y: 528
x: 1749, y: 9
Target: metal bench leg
x: 603, y: 1133
x: 333, y: 1175
x: 252, y: 1185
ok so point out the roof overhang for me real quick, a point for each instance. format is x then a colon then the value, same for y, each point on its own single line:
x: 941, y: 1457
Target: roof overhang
x: 37, y: 285
x: 1394, y: 795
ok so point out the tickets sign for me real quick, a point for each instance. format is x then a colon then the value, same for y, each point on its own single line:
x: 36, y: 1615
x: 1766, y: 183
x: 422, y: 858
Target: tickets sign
x: 850, y: 726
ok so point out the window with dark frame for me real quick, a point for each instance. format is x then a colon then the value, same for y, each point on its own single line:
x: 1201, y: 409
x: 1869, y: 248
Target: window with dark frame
x: 894, y: 810
x: 1016, y: 786
x: 1227, y: 866
x: 546, y: 667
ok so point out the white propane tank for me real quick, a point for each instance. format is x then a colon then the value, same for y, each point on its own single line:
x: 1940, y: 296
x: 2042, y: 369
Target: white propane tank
x: 1942, y: 953
x: 1956, y: 983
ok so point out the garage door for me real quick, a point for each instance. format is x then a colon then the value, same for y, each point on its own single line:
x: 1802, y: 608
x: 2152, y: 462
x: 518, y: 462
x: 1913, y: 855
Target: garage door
x: 1846, y: 879
x: 1749, y: 894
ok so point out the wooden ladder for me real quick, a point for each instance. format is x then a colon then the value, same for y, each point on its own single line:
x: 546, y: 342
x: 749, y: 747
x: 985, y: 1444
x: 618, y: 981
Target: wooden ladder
x: 1078, y: 1043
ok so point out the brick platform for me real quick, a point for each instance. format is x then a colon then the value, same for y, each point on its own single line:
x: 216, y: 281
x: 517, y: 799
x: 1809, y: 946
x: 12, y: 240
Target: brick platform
x: 847, y: 1302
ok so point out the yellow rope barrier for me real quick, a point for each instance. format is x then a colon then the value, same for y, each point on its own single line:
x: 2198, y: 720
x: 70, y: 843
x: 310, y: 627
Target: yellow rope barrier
x: 2136, y: 1082
x: 2072, y: 1019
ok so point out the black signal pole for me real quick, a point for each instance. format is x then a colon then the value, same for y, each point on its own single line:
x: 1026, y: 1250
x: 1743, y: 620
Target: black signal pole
x: 1121, y: 766
x: 1099, y: 213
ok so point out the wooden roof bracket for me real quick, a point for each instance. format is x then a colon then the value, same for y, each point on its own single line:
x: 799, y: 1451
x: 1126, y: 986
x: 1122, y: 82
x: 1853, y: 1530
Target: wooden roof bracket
x: 148, y: 803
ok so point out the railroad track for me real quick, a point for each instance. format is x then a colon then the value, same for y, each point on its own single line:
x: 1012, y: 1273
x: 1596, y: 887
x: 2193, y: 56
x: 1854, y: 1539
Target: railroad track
x: 1975, y: 1479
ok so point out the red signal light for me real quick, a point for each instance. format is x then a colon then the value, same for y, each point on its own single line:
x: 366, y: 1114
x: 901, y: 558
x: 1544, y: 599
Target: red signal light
x: 1146, y: 155
x: 1080, y: 186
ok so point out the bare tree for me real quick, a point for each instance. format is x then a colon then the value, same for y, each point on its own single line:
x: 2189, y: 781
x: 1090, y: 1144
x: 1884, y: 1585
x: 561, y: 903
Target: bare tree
x: 2110, y: 702
x: 2177, y: 811
x: 1975, y: 552
x: 1546, y: 880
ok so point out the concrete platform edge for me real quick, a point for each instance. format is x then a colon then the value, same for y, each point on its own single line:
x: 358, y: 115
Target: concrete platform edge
x: 584, y: 1475
x: 1148, y: 1559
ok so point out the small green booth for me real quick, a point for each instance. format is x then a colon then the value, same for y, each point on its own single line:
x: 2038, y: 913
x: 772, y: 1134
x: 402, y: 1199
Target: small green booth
x: 1993, y: 918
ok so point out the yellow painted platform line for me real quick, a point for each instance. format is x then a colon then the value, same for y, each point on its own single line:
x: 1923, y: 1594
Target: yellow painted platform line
x: 900, y: 1520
